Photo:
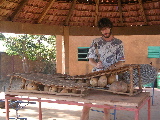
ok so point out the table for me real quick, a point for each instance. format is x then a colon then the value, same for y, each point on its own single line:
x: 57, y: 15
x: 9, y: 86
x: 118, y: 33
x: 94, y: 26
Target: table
x: 95, y: 98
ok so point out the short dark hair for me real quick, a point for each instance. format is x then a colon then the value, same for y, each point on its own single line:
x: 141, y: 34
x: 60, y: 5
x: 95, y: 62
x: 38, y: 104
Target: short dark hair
x: 104, y: 22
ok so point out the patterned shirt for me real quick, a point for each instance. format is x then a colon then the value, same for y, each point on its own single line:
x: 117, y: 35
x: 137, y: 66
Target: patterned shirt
x: 109, y: 52
x: 148, y: 75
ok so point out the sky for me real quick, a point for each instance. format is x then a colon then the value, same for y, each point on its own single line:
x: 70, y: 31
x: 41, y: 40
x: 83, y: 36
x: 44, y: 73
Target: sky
x: 3, y: 48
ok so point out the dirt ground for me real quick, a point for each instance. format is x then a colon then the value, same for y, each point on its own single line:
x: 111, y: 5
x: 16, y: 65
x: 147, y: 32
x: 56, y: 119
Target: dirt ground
x: 52, y: 111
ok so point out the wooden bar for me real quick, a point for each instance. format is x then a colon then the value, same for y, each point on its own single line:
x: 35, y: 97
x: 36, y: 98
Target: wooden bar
x: 140, y: 80
x: 131, y: 79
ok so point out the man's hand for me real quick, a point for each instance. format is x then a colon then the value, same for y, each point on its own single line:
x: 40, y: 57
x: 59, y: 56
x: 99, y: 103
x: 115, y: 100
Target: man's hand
x: 116, y: 65
x: 99, y: 65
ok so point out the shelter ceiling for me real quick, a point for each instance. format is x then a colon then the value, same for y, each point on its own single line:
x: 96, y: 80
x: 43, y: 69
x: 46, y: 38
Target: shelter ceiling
x: 81, y: 12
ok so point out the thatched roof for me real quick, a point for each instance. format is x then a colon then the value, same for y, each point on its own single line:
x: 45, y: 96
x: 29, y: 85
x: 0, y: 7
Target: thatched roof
x: 81, y: 12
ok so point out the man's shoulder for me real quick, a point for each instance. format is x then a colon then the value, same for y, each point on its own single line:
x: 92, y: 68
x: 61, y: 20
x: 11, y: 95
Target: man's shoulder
x: 117, y: 41
x: 97, y: 39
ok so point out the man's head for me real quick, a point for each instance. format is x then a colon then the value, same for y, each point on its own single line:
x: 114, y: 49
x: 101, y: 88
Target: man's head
x: 105, y: 26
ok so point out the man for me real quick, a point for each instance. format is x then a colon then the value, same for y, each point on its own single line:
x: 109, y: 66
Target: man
x: 106, y: 51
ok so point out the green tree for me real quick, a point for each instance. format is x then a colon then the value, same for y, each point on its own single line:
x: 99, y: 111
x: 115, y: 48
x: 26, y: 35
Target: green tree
x: 2, y: 37
x: 33, y: 47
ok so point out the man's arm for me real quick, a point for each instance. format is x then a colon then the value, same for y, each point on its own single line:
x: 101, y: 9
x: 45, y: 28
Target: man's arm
x: 95, y: 64
x: 117, y: 65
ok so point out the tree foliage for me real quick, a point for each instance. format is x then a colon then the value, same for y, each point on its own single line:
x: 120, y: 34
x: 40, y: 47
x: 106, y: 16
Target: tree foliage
x: 32, y: 47
x: 2, y: 37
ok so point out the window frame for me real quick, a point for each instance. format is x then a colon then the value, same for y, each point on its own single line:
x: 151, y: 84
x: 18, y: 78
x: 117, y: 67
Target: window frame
x: 86, y: 49
x: 153, y: 51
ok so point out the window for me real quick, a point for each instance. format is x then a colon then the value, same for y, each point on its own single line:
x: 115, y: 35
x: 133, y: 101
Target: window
x: 153, y: 51
x: 82, y: 53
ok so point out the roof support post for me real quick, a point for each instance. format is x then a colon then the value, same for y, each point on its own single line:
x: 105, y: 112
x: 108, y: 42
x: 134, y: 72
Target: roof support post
x: 96, y: 12
x: 120, y: 12
x: 66, y: 48
x: 60, y: 54
x: 142, y: 11
x: 70, y: 12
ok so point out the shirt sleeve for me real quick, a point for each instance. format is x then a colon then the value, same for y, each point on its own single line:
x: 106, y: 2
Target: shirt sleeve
x: 91, y: 52
x: 120, y: 53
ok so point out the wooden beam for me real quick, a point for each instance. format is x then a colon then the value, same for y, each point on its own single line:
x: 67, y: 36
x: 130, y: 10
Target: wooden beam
x: 18, y: 10
x: 48, y: 6
x: 130, y: 30
x: 142, y: 11
x: 27, y: 28
x: 66, y: 48
x: 1, y: 1
x: 70, y: 12
x: 120, y: 12
x: 2, y: 18
x: 96, y: 12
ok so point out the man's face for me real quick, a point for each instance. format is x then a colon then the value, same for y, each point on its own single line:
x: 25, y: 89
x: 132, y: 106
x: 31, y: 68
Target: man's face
x: 106, y: 32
